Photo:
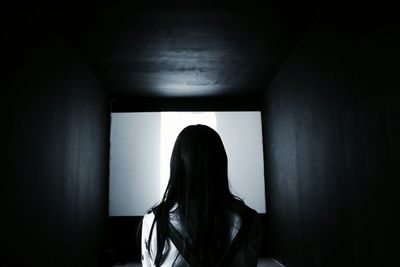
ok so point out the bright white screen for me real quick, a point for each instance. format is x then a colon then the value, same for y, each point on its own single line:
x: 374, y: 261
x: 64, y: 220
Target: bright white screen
x: 141, y: 147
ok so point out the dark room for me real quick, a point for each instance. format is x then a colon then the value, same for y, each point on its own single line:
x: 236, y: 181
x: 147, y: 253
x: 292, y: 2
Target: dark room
x: 286, y: 111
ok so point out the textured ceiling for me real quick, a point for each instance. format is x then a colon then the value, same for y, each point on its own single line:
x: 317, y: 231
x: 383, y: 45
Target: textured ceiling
x: 175, y: 49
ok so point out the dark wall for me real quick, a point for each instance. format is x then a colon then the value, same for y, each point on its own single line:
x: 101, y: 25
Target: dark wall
x: 55, y: 139
x: 331, y: 133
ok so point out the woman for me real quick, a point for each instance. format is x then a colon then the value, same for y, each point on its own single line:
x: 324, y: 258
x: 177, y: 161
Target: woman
x: 198, y: 221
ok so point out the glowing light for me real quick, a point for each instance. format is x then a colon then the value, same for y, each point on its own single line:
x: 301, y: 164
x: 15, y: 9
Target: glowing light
x: 172, y: 123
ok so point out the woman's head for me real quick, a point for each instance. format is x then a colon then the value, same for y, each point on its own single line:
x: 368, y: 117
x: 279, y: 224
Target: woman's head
x: 199, y: 185
x: 199, y: 166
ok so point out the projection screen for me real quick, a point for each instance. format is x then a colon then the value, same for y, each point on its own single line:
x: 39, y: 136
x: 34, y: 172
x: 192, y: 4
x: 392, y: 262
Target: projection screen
x: 141, y: 145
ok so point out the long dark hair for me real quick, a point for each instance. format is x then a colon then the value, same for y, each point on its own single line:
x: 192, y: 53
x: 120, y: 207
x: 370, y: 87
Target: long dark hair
x: 199, y: 186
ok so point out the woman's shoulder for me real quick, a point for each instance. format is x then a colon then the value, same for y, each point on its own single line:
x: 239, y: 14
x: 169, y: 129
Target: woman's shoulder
x: 242, y: 209
x: 251, y: 215
x: 148, y: 217
x: 150, y: 214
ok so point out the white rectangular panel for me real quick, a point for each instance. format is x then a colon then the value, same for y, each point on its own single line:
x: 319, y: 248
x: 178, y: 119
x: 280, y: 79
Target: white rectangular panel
x: 141, y: 145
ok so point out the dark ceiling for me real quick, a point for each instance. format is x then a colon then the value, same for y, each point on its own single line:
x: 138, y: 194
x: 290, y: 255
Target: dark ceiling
x: 196, y: 49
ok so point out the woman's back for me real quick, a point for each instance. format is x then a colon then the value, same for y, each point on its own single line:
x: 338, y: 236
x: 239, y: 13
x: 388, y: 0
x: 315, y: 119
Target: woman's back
x: 242, y: 249
x: 199, y: 222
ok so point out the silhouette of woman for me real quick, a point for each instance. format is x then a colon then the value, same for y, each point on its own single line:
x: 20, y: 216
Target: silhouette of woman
x: 199, y: 222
